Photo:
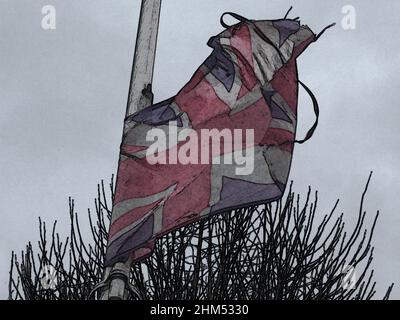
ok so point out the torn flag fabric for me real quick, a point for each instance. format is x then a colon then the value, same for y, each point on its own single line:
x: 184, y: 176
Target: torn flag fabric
x: 242, y: 100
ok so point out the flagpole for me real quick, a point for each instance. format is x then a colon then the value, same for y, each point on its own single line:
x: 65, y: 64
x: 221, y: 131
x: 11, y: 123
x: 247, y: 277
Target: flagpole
x: 140, y: 91
x: 140, y: 96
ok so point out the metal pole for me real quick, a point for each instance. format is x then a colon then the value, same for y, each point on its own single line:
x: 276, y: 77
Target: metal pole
x: 140, y: 97
x: 140, y: 92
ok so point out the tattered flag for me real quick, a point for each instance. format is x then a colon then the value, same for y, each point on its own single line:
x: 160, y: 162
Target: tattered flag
x: 241, y: 102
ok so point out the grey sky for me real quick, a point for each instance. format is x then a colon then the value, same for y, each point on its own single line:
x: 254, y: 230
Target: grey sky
x: 63, y: 97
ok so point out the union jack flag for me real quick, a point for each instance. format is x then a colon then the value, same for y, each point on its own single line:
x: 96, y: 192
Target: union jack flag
x: 249, y: 82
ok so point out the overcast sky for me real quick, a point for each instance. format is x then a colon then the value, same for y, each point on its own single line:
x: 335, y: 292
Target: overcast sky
x: 63, y: 96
